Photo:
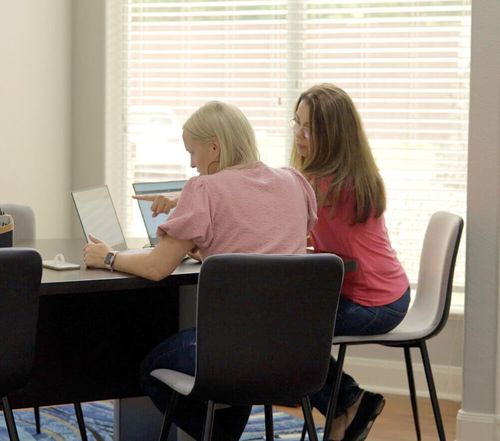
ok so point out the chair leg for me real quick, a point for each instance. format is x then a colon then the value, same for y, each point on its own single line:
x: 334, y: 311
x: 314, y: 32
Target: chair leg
x: 432, y: 391
x: 268, y: 412
x: 332, y: 405
x: 413, y: 395
x: 308, y: 419
x: 80, y: 420
x: 9, y: 420
x: 304, y: 431
x: 38, y: 426
x: 209, y: 421
x: 169, y: 414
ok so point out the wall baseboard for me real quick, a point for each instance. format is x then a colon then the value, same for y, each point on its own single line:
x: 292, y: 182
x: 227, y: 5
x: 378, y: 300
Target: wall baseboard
x: 477, y: 426
x: 390, y: 377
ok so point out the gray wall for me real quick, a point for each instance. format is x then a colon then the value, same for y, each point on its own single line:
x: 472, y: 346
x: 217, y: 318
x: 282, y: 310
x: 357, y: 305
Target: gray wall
x: 479, y: 417
x: 88, y: 93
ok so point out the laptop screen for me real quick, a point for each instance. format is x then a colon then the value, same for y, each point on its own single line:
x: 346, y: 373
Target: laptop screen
x: 98, y: 216
x: 167, y: 188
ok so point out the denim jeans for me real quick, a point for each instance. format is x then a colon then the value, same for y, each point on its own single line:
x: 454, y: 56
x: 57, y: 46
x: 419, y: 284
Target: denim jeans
x: 178, y: 352
x: 355, y: 319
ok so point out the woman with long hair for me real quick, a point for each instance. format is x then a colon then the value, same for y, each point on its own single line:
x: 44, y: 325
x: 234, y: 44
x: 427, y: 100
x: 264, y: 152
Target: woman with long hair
x: 332, y: 151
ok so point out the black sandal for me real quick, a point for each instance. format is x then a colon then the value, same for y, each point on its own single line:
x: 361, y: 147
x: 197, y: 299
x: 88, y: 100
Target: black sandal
x: 369, y: 409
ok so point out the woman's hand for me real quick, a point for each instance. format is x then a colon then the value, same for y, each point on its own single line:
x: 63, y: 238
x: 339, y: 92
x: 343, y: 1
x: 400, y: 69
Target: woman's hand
x: 194, y: 253
x: 95, y: 252
x: 160, y: 203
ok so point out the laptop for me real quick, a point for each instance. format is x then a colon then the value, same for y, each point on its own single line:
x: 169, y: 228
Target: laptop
x: 167, y: 188
x: 98, y: 217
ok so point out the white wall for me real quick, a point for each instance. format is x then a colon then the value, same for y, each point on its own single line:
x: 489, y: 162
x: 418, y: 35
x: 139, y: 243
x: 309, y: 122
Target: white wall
x: 35, y: 110
x: 479, y: 418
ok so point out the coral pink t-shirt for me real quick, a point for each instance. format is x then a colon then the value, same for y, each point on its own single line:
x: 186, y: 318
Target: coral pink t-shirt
x: 379, y: 278
x: 252, y: 210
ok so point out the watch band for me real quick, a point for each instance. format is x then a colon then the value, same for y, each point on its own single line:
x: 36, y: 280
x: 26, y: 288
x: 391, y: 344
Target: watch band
x: 109, y: 260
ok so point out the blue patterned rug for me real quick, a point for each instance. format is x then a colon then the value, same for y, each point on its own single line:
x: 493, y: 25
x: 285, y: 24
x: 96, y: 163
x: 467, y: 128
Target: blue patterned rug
x: 59, y: 424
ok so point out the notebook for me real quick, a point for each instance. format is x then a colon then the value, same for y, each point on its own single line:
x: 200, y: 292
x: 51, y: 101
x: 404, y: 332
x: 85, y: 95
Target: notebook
x: 98, y: 217
x: 167, y: 188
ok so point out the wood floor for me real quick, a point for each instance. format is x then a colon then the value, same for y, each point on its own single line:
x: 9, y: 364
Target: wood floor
x: 395, y: 423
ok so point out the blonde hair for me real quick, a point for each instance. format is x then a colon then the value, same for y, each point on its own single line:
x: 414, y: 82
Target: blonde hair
x: 340, y: 150
x: 230, y: 127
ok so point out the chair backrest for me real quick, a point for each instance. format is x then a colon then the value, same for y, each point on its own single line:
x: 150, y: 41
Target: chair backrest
x: 24, y: 221
x: 430, y: 309
x: 20, y: 275
x: 265, y: 326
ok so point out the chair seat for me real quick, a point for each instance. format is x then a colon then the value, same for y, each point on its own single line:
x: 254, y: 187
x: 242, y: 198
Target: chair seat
x: 178, y: 381
x: 406, y: 331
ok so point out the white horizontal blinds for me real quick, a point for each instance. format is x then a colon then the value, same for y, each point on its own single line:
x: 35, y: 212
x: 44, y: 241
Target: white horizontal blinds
x: 406, y: 65
x: 183, y: 54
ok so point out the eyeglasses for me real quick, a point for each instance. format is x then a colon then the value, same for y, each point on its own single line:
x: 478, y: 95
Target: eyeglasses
x: 297, y: 129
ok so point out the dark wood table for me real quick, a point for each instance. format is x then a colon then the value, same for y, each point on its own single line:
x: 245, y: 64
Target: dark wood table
x: 95, y: 327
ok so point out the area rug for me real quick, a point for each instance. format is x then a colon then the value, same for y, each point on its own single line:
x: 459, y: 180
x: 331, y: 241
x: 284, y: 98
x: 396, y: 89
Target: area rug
x: 59, y: 424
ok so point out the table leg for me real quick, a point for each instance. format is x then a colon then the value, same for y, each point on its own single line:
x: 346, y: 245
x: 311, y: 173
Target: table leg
x: 136, y: 419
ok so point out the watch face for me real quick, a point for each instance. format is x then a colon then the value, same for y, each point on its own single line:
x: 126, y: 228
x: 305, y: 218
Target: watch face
x: 107, y: 259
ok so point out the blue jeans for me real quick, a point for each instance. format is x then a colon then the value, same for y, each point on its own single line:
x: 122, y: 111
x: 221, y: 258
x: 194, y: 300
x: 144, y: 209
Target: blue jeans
x: 178, y: 352
x: 355, y: 319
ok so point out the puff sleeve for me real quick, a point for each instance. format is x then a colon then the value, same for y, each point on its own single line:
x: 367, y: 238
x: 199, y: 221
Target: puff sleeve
x: 192, y: 219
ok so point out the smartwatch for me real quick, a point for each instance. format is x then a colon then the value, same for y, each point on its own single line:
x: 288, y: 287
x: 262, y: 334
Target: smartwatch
x: 109, y: 260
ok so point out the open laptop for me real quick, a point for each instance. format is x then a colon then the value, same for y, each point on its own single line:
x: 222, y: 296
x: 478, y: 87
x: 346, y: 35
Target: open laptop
x: 98, y: 217
x: 167, y: 188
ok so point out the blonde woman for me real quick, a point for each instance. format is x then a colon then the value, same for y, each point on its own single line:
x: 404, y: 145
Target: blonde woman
x: 332, y: 151
x: 236, y: 205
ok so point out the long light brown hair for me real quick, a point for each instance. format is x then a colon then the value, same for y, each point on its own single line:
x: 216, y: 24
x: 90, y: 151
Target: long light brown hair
x: 340, y: 150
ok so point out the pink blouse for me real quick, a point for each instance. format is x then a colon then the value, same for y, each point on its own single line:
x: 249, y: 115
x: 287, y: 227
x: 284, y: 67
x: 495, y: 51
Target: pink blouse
x: 251, y: 210
x: 379, y: 278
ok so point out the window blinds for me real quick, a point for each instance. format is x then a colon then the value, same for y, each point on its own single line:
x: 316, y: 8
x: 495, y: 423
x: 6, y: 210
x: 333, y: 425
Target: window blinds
x: 405, y: 63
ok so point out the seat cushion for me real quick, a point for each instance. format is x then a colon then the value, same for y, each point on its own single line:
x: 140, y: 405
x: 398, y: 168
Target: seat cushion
x: 178, y: 381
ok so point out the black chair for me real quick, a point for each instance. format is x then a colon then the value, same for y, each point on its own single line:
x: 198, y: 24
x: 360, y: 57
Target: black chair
x: 264, y: 333
x: 426, y: 317
x: 20, y: 276
x: 25, y: 230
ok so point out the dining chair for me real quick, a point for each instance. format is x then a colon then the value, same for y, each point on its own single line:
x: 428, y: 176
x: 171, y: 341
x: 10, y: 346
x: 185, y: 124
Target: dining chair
x: 264, y: 330
x: 25, y: 230
x: 24, y: 221
x: 20, y: 276
x: 426, y: 317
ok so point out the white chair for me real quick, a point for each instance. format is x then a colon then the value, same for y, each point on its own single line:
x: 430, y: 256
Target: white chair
x: 427, y: 315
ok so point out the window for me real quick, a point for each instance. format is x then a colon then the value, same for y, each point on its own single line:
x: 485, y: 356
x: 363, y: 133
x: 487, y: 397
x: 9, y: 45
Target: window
x: 405, y: 63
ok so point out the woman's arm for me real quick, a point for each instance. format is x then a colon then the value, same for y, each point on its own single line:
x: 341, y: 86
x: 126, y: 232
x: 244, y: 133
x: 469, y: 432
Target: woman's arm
x: 153, y: 264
